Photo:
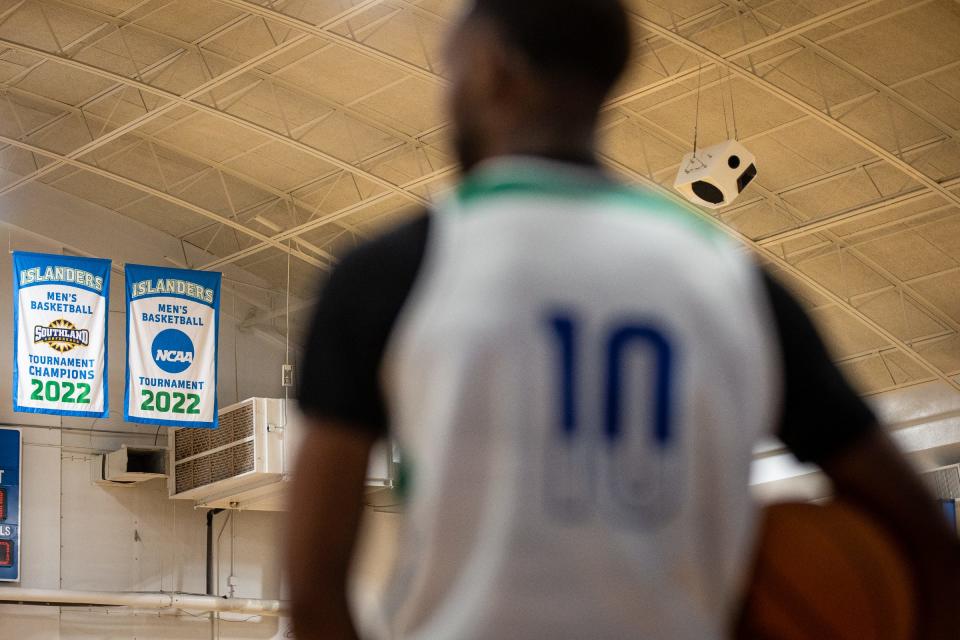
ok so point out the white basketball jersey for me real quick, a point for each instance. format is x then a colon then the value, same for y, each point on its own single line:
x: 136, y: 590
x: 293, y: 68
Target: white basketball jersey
x: 577, y: 379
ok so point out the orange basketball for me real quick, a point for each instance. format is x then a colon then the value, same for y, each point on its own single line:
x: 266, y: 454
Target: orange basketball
x: 827, y: 572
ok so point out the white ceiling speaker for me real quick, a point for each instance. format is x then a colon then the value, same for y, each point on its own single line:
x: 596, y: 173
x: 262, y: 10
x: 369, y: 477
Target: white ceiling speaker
x: 715, y: 176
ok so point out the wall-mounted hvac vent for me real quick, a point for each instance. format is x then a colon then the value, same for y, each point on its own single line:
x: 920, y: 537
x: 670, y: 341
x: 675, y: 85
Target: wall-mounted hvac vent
x: 237, y: 460
x: 944, y: 482
x: 245, y: 462
x: 205, y: 456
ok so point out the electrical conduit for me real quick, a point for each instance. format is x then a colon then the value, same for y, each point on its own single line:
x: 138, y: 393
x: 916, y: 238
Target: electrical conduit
x: 57, y: 597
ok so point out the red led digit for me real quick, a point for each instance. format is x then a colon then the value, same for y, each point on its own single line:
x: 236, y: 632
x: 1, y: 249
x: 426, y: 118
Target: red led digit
x: 6, y: 553
x: 3, y: 504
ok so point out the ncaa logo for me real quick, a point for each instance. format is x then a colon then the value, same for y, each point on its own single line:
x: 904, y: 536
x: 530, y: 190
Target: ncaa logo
x: 172, y: 351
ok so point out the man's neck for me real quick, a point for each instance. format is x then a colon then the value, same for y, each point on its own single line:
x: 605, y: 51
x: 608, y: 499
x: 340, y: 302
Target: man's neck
x: 568, y: 145
x: 570, y: 156
x: 579, y: 155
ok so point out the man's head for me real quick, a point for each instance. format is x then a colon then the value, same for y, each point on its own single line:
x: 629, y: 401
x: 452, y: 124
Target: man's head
x: 529, y: 76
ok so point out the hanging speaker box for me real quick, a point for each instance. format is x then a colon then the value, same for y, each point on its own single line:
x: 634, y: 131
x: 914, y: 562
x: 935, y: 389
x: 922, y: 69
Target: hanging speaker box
x: 715, y: 176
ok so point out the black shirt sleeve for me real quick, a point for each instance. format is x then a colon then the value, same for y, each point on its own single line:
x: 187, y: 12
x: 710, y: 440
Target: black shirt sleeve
x: 351, y: 325
x: 821, y: 413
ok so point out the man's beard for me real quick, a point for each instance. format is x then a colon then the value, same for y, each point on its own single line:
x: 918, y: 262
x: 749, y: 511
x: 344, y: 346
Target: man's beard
x: 468, y: 149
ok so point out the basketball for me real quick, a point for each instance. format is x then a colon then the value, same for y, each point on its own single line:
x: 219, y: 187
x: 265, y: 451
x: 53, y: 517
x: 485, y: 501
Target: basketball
x: 827, y: 572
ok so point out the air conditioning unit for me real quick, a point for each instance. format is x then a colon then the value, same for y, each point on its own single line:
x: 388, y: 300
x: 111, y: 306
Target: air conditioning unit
x: 944, y: 482
x: 129, y: 466
x: 246, y: 463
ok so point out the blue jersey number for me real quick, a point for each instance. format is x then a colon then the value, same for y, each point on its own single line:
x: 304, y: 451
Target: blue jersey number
x: 634, y: 460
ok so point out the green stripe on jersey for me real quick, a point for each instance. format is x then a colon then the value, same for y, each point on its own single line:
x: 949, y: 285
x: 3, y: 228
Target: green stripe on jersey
x: 516, y: 181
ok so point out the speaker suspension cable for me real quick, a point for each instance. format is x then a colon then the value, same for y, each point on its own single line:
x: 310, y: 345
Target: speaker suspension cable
x: 696, y: 117
x: 733, y: 106
x: 723, y: 103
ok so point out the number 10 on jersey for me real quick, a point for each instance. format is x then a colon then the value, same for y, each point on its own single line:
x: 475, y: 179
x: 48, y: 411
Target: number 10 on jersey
x: 613, y: 454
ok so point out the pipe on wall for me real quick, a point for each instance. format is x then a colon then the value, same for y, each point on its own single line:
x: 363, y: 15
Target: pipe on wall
x: 210, y: 514
x: 57, y: 597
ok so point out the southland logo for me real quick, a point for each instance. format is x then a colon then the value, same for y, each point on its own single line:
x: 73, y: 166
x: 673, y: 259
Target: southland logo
x: 61, y: 335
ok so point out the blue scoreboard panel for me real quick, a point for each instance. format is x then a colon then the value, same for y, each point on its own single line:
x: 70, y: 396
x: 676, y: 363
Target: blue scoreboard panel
x: 10, y: 456
x: 950, y: 511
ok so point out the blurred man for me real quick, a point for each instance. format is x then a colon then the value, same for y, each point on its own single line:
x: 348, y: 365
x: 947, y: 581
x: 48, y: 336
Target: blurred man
x: 577, y: 372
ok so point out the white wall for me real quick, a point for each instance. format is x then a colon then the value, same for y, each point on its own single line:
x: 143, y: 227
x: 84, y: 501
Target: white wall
x: 78, y: 535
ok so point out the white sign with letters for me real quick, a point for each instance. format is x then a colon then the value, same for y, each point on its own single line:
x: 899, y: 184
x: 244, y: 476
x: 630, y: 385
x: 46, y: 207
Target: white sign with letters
x: 173, y: 321
x: 61, y: 305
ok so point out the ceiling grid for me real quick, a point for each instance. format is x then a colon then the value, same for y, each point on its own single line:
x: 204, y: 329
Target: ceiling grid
x: 254, y: 130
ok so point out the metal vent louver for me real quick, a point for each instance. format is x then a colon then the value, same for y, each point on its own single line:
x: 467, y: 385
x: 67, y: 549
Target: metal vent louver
x: 204, y: 456
x: 944, y: 482
x: 245, y: 463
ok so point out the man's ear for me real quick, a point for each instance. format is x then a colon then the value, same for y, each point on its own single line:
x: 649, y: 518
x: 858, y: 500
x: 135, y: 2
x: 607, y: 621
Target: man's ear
x: 503, y: 71
x: 513, y: 76
x: 488, y: 61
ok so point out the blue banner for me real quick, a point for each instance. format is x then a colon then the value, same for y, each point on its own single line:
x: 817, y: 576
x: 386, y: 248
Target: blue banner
x: 173, y: 325
x: 60, y: 309
x: 10, y: 456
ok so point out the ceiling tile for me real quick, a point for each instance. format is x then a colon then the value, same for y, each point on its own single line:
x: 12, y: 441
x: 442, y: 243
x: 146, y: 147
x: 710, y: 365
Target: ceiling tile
x: 942, y: 291
x: 908, y: 255
x: 925, y: 38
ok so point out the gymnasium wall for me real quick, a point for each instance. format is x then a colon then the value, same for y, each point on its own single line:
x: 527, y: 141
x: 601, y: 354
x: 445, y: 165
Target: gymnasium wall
x: 79, y: 535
